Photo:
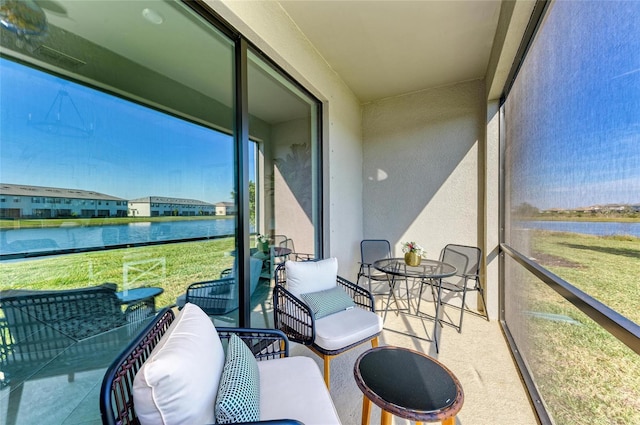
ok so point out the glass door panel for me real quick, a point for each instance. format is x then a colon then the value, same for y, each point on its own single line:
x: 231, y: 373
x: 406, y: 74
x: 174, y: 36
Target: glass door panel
x: 283, y: 124
x: 116, y: 169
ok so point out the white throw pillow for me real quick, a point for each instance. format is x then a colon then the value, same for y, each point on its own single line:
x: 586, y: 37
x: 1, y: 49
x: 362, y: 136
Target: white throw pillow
x: 311, y: 276
x: 179, y: 381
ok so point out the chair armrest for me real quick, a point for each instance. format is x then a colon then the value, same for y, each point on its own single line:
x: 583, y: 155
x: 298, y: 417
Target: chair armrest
x: 292, y: 316
x: 265, y: 344
x: 361, y: 296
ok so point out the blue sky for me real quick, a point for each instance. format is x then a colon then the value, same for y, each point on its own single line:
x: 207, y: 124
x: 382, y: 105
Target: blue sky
x: 580, y: 127
x: 133, y: 152
x: 581, y: 111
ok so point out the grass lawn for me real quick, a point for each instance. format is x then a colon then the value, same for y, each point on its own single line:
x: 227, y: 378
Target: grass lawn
x: 584, y: 374
x: 171, y: 266
x: 100, y: 221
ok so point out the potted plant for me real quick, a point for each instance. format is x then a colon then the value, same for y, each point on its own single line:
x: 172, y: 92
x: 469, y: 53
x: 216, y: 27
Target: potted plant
x: 413, y: 253
x: 263, y: 243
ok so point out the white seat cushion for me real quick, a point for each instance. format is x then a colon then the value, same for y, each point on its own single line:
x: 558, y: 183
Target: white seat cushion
x: 293, y: 388
x: 311, y: 276
x: 178, y: 383
x: 344, y: 328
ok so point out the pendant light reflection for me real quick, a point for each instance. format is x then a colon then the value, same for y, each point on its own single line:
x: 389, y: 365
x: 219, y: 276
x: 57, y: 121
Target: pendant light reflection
x: 63, y: 119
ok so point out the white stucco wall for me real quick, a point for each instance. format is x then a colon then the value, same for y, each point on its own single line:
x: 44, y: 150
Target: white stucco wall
x: 267, y: 26
x: 422, y: 176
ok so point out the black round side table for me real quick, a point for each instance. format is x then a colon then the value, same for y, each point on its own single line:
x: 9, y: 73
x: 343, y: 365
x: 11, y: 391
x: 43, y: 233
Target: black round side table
x: 408, y: 384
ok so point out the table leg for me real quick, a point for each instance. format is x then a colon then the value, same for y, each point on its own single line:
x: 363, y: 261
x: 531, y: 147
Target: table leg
x: 392, y: 284
x: 385, y: 418
x: 437, y: 319
x: 366, y: 410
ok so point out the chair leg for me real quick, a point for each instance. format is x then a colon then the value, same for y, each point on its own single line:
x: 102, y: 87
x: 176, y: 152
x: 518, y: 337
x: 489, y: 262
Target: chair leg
x: 327, y: 369
x: 374, y: 342
x: 15, y: 394
x: 484, y: 303
x: 464, y: 295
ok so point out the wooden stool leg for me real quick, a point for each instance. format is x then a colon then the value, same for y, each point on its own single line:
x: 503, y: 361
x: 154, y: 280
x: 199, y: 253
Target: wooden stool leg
x: 374, y: 342
x: 385, y: 418
x: 366, y: 410
x: 449, y: 421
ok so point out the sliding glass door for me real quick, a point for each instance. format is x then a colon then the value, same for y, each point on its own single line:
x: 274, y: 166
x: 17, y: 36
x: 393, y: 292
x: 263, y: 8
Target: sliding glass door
x: 122, y: 169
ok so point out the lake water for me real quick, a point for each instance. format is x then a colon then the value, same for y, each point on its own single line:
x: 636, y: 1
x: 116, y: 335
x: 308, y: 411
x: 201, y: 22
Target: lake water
x: 586, y: 227
x: 82, y: 237
x: 77, y: 237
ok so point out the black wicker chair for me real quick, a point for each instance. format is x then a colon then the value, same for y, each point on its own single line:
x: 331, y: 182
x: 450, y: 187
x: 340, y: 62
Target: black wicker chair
x: 116, y: 392
x: 220, y: 296
x: 295, y: 319
x: 62, y: 332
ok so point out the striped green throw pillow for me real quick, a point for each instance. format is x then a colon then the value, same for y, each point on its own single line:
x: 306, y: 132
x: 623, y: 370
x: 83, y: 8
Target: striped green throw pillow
x: 329, y: 301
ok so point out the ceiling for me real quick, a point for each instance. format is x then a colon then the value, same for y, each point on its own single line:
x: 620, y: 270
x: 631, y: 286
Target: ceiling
x: 386, y: 48
x: 380, y: 48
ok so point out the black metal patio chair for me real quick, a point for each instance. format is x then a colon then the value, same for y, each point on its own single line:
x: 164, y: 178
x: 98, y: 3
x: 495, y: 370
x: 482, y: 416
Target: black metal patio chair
x: 466, y: 259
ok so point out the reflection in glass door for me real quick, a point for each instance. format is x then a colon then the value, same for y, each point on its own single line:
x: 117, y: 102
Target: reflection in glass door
x: 283, y: 123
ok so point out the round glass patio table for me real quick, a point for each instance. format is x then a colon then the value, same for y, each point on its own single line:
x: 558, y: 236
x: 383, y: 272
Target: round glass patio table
x: 427, y: 269
x: 408, y: 384
x: 427, y: 272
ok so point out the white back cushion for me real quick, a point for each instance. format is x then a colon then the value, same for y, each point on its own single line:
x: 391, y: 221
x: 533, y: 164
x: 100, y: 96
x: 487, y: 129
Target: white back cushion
x: 179, y: 381
x: 311, y: 276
